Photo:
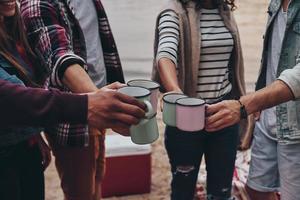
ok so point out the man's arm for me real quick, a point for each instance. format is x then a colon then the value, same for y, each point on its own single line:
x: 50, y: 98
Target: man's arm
x: 28, y: 106
x: 105, y: 108
x: 227, y: 113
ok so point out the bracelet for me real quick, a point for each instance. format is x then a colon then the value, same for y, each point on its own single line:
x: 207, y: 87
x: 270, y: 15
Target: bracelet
x: 243, y: 110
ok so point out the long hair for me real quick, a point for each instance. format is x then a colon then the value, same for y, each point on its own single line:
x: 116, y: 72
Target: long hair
x: 11, y: 32
x: 231, y: 3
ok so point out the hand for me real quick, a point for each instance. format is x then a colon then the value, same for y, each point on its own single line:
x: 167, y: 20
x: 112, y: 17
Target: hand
x: 114, y: 86
x: 108, y: 108
x: 45, y: 151
x: 257, y: 115
x: 221, y: 115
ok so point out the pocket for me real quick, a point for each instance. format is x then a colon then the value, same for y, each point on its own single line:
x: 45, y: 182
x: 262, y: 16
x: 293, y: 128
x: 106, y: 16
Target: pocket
x: 292, y: 115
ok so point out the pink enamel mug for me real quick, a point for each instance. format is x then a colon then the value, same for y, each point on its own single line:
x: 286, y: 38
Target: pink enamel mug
x: 190, y: 114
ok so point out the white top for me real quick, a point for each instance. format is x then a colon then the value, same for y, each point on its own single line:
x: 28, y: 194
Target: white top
x: 267, y: 122
x: 85, y: 13
x: 216, y: 48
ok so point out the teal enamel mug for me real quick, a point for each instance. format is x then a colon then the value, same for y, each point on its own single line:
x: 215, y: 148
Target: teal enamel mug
x: 146, y: 132
x: 169, y: 108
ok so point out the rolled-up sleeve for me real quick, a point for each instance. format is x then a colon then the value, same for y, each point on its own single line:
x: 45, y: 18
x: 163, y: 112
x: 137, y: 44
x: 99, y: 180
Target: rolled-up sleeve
x: 291, y: 77
x: 48, y: 38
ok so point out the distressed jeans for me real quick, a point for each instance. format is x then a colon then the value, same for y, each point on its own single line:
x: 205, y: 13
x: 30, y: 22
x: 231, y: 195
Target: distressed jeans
x: 185, y: 151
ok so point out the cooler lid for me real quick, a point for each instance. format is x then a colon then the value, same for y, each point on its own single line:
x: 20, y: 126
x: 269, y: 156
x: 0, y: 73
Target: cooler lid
x: 117, y: 145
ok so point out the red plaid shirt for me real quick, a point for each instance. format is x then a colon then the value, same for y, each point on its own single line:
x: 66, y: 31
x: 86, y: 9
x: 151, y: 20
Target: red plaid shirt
x: 57, y: 38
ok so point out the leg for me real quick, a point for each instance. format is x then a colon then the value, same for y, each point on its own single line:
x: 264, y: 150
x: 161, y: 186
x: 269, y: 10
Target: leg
x: 263, y: 178
x: 289, y: 171
x: 10, y: 187
x: 185, y: 151
x: 220, y: 154
x: 76, y: 167
x: 256, y: 195
x: 32, y: 174
x: 100, y: 166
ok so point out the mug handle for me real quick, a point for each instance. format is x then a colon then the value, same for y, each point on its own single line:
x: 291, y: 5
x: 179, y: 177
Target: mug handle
x: 149, y: 114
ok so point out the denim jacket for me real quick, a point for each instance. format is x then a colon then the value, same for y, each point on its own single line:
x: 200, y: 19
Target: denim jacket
x: 288, y: 114
x: 13, y: 135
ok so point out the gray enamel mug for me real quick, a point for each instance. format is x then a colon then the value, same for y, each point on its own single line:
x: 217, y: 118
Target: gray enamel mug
x: 169, y: 108
x: 146, y: 132
x: 150, y: 85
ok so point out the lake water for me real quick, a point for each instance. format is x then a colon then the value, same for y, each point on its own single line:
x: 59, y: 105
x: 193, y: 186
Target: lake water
x: 133, y: 23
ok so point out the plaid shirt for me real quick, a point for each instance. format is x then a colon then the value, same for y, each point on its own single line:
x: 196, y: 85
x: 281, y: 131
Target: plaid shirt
x: 57, y: 38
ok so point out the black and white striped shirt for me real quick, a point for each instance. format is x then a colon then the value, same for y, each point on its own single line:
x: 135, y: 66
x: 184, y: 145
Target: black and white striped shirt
x: 216, y: 48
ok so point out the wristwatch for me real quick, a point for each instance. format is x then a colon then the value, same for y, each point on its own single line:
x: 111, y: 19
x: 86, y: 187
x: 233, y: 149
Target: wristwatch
x: 243, y: 111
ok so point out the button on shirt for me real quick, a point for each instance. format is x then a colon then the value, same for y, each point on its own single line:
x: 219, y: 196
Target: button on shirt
x: 267, y: 122
x: 85, y: 13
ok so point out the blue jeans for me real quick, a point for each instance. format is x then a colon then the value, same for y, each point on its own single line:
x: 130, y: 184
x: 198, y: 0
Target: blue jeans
x: 185, y: 151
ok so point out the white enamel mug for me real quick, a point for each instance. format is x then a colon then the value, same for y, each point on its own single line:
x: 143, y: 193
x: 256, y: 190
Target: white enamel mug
x: 146, y: 131
x: 190, y: 114
x: 150, y: 85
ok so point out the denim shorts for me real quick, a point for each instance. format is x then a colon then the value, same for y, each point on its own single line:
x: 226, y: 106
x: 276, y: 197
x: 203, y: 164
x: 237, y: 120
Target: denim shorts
x: 274, y: 167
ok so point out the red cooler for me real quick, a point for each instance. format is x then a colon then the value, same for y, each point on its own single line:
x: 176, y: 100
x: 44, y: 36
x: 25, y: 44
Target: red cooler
x: 128, y: 167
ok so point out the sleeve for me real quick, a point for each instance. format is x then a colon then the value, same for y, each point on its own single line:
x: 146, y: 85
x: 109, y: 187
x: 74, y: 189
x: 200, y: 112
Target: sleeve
x: 10, y: 78
x: 168, y: 33
x: 49, y: 38
x: 291, y: 77
x: 28, y: 106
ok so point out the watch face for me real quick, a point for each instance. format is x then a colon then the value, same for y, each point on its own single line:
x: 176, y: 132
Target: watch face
x: 244, y: 113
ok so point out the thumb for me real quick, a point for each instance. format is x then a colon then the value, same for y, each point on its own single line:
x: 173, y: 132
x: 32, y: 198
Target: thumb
x: 115, y: 86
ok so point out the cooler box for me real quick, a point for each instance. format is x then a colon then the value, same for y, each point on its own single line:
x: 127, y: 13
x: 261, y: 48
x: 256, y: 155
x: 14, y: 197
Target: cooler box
x: 128, y: 167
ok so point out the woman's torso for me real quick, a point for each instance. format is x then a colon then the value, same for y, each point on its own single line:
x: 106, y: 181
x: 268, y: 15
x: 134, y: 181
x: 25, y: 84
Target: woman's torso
x: 216, y: 43
x: 12, y: 135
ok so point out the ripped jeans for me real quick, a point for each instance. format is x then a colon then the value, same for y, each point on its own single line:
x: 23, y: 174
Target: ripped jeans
x: 185, y: 151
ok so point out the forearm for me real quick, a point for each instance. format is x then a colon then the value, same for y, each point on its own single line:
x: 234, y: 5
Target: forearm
x: 168, y: 75
x: 77, y: 80
x: 272, y: 95
x: 39, y: 106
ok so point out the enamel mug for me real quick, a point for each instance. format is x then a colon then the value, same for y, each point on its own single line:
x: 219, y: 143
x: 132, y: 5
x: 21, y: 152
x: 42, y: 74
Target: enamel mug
x: 169, y: 108
x: 146, y: 131
x: 150, y: 85
x: 190, y: 114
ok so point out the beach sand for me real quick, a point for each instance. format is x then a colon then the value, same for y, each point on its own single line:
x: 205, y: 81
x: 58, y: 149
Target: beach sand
x: 251, y: 17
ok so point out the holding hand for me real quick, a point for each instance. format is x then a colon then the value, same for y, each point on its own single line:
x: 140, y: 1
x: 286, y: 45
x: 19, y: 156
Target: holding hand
x: 223, y: 114
x: 108, y: 108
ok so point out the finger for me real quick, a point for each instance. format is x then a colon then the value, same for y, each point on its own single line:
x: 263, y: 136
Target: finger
x: 123, y: 118
x: 115, y: 85
x: 122, y: 129
x: 211, y: 109
x: 215, y: 126
x: 131, y: 100
x: 214, y: 118
x: 131, y: 110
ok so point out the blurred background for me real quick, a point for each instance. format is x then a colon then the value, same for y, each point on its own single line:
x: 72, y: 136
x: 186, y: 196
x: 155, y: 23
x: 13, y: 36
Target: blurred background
x: 133, y: 22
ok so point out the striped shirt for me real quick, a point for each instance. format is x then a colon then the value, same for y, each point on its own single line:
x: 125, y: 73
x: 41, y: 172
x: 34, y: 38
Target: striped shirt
x: 216, y: 48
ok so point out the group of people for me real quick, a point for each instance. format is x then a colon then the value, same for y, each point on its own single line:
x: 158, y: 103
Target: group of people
x: 68, y: 45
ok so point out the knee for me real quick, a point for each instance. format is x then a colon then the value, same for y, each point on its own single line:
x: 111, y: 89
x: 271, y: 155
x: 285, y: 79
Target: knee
x: 184, y: 170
